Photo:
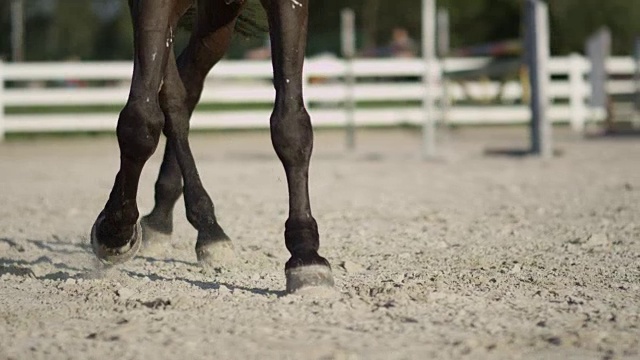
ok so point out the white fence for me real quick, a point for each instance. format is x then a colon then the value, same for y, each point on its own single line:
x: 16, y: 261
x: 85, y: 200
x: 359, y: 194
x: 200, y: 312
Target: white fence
x: 249, y: 82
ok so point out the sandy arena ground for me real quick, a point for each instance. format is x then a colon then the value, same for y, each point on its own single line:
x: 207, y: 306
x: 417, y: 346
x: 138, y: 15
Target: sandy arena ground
x: 468, y: 256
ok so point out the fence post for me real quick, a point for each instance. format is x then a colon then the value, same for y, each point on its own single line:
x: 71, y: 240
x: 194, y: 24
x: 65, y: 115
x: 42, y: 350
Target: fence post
x: 537, y: 50
x: 2, y: 124
x: 443, y: 33
x: 429, y: 58
x: 598, y: 50
x: 17, y: 30
x: 348, y: 52
x: 577, y: 95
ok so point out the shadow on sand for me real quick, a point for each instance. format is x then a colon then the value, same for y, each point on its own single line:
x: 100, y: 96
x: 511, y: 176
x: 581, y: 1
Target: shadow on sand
x: 24, y: 268
x: 209, y: 285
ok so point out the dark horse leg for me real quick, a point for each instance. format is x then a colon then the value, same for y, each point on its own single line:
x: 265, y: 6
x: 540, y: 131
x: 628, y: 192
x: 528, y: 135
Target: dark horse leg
x: 115, y: 236
x: 292, y: 138
x: 179, y: 96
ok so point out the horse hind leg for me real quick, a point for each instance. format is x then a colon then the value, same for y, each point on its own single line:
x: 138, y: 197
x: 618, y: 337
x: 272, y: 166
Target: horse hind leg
x: 292, y: 137
x: 178, y: 97
x: 157, y: 226
x: 116, y: 236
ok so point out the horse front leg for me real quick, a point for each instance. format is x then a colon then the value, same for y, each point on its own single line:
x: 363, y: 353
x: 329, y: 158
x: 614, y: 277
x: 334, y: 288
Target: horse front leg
x: 292, y: 138
x: 116, y: 236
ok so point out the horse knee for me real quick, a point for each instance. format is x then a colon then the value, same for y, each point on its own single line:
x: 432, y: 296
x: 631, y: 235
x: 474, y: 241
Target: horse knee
x: 139, y: 127
x: 292, y: 135
x: 175, y: 107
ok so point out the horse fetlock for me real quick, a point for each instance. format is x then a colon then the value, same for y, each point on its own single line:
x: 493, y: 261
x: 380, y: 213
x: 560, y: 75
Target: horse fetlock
x: 306, y: 259
x: 199, y: 210
x: 158, y: 222
x: 210, y: 234
x: 301, y: 236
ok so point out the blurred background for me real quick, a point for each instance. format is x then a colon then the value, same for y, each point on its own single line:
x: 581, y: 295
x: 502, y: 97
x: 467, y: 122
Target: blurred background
x: 64, y: 57
x: 101, y: 29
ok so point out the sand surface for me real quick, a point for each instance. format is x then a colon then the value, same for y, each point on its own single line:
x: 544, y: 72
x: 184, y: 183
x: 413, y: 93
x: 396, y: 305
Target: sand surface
x: 467, y: 256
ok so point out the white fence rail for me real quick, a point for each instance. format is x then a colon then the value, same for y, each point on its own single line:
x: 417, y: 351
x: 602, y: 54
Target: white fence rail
x: 249, y: 82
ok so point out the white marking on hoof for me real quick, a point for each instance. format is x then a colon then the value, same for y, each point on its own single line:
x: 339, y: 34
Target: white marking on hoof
x: 112, y: 256
x: 308, y: 276
x: 216, y: 255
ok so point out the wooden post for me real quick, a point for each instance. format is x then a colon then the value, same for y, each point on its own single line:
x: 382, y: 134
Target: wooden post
x: 443, y: 33
x: 348, y: 52
x: 429, y: 57
x: 17, y: 30
x: 537, y: 49
x: 598, y: 51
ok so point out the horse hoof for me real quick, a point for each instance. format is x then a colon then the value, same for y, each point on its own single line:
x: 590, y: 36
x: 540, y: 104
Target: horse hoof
x: 216, y: 254
x: 154, y: 242
x: 303, y: 277
x: 112, y: 256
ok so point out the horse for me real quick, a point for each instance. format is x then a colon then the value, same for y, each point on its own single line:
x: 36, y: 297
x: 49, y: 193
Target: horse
x: 164, y: 92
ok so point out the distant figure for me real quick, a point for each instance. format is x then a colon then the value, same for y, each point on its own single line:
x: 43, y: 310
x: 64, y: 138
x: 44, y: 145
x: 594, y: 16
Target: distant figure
x: 401, y: 44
